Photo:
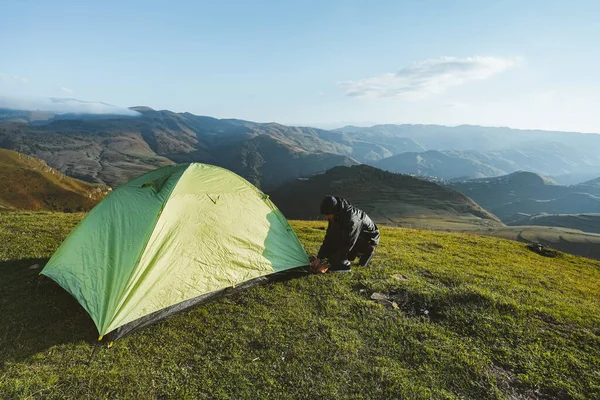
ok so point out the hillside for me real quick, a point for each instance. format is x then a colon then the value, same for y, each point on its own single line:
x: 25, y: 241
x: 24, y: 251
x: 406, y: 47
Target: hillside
x: 574, y: 178
x: 435, y: 316
x: 386, y: 197
x: 30, y: 184
x: 511, y: 196
x: 441, y: 164
x: 581, y: 222
x: 595, y: 183
x: 571, y: 203
x: 268, y: 161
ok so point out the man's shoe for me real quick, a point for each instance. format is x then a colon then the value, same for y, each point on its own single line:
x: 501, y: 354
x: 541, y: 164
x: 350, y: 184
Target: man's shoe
x: 341, y: 267
x: 340, y: 270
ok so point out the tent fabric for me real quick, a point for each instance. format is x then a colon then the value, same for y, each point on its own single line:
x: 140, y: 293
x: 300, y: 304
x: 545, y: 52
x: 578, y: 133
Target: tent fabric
x: 175, y: 234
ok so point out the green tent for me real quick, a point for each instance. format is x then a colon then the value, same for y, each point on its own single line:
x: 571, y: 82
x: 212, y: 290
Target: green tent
x: 169, y: 239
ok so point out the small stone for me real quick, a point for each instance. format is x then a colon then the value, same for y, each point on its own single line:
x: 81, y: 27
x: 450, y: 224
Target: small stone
x: 378, y: 296
x: 35, y: 266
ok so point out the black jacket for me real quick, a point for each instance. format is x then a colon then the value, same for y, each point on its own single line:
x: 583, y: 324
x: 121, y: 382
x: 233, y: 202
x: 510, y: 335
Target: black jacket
x: 349, y: 226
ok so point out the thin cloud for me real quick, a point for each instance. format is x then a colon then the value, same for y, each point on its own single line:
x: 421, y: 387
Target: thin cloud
x: 63, y: 106
x: 456, y: 104
x: 426, y: 78
x: 13, y: 78
x: 66, y: 90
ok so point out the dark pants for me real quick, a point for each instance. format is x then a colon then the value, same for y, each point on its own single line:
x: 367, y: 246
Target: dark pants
x: 363, y: 249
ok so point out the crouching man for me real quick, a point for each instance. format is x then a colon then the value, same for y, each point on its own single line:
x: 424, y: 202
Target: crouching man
x: 350, y: 234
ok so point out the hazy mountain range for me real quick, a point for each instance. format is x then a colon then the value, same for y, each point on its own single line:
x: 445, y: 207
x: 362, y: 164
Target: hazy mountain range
x: 516, y: 197
x: 112, y: 149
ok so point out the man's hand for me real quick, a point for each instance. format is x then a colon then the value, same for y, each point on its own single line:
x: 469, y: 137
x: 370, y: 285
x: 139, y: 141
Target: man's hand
x: 315, y: 263
x: 317, y: 266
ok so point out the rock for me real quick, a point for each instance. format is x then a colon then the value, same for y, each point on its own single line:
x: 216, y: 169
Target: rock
x: 384, y: 300
x: 35, y: 266
x: 379, y: 296
x: 542, y: 250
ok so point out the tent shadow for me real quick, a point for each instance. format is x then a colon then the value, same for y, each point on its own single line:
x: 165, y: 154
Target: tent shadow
x: 37, y: 313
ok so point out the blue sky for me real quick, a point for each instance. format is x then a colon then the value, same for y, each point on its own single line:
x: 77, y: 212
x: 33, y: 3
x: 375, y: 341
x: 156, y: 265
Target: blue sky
x: 525, y: 64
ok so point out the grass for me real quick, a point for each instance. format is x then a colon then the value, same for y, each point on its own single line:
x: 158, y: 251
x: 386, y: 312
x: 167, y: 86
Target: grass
x: 476, y: 317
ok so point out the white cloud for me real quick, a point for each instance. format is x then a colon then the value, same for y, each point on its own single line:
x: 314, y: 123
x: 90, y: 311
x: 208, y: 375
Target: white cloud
x: 63, y: 106
x: 422, y: 79
x: 66, y: 90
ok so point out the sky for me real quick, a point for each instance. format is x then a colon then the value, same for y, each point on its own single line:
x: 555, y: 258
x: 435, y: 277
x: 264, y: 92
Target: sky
x: 523, y: 64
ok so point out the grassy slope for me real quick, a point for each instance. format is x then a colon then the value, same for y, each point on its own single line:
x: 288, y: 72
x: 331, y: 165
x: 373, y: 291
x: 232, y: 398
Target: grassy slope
x: 501, y: 322
x: 572, y: 241
x: 28, y: 183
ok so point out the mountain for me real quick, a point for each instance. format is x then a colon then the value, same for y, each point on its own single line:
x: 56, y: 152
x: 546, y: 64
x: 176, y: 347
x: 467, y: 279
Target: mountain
x: 474, y: 151
x: 511, y: 196
x: 269, y: 161
x: 116, y: 149
x: 473, y: 137
x: 441, y: 164
x: 385, y: 196
x: 574, y: 178
x: 547, y: 159
x: 30, y: 184
x: 95, y: 143
x: 593, y: 183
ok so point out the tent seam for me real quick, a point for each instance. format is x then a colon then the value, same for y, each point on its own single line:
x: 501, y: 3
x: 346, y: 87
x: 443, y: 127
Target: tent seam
x: 139, y: 258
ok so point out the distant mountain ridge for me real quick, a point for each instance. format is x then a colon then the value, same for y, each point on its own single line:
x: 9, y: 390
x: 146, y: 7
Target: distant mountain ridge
x: 546, y: 159
x: 116, y: 150
x: 113, y: 149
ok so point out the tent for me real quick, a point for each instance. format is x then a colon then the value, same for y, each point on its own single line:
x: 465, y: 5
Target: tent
x: 168, y: 240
